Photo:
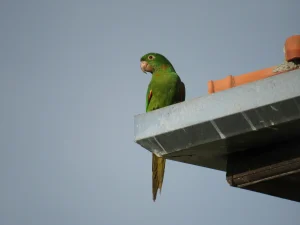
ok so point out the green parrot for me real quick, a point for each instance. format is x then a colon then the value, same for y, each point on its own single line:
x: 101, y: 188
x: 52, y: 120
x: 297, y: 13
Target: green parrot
x: 164, y: 89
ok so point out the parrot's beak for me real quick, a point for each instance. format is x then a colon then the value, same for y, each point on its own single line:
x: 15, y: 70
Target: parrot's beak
x: 145, y: 67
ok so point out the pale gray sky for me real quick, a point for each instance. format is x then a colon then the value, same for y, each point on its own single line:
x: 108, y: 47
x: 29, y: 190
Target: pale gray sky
x: 70, y: 84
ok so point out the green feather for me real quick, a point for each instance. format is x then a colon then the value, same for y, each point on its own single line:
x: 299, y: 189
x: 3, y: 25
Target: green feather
x: 166, y: 89
x: 166, y: 86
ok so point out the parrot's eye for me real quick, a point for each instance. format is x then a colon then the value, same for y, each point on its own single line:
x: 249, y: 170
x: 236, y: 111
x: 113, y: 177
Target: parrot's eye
x: 151, y: 57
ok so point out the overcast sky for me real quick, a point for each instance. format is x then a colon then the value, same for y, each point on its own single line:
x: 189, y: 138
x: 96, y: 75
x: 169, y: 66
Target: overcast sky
x: 70, y: 85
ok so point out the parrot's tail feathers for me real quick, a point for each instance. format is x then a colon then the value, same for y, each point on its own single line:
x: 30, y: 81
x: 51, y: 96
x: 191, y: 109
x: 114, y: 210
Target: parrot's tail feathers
x: 158, y: 170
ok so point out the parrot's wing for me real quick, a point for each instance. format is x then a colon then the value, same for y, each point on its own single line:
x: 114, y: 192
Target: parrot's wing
x: 158, y: 163
x: 148, y: 96
x: 180, y: 94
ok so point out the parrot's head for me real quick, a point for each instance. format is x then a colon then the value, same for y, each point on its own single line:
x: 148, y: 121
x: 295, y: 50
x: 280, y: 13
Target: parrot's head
x: 153, y: 62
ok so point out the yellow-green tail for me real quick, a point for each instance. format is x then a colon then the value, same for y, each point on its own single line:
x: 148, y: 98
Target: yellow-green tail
x: 158, y: 170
